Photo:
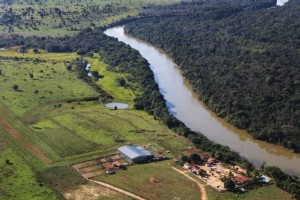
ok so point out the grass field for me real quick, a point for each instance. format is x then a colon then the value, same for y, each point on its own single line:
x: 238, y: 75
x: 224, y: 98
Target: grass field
x: 108, y: 82
x: 17, y: 180
x: 263, y: 193
x: 58, y: 18
x: 170, y: 184
x: 70, y: 132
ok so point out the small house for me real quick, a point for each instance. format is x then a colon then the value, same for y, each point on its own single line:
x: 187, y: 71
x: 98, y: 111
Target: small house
x: 240, y: 180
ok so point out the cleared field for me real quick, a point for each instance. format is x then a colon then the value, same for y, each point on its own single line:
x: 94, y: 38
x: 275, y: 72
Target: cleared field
x: 72, y: 130
x: 30, y: 83
x: 90, y: 127
x: 264, y: 193
x: 57, y: 18
x: 14, y: 173
x: 108, y: 82
x: 94, y: 191
x: 167, y: 185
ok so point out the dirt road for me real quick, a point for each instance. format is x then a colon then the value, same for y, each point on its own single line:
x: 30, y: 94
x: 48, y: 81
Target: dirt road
x: 118, y: 190
x: 201, y: 186
x: 27, y: 145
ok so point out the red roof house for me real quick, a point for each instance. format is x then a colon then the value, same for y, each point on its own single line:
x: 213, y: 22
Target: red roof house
x: 241, y: 179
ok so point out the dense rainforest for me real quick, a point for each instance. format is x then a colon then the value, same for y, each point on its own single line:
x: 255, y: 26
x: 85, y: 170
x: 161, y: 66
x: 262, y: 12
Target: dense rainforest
x: 242, y: 58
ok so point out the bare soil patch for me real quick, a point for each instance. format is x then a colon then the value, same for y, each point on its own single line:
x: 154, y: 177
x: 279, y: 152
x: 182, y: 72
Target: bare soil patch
x: 90, y: 191
x: 27, y: 145
x: 84, y: 164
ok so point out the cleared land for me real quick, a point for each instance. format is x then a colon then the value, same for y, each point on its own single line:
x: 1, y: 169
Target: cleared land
x: 264, y: 193
x: 15, y: 172
x: 56, y: 18
x: 168, y: 184
x: 71, y: 132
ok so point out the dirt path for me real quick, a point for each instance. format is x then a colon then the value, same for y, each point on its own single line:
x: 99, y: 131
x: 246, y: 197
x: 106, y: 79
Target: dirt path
x: 27, y: 145
x: 201, y: 186
x: 118, y: 190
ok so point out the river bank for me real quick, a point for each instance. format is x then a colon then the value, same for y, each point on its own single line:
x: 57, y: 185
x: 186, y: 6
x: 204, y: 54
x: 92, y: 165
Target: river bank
x: 184, y: 104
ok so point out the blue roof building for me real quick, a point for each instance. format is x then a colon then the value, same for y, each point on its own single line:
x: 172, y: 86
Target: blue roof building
x: 136, y: 154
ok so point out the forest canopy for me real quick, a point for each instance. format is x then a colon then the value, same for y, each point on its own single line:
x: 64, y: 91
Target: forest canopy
x: 242, y: 58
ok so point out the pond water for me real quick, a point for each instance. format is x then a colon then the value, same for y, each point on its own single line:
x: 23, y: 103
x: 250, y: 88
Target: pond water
x: 118, y: 105
x: 88, y: 67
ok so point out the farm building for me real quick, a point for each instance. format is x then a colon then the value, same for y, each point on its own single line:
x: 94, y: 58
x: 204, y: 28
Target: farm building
x: 136, y: 154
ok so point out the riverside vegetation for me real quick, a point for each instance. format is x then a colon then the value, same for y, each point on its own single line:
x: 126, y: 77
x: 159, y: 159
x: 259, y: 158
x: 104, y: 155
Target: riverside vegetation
x: 241, y: 58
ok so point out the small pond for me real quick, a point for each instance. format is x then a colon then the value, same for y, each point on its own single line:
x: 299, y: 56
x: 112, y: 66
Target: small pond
x: 88, y: 66
x: 118, y: 105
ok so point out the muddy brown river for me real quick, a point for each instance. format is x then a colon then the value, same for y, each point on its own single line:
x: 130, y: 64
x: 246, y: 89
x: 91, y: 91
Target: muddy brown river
x: 183, y: 103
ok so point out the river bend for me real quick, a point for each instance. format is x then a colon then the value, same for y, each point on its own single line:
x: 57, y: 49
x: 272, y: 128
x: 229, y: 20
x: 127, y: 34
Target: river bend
x: 183, y: 103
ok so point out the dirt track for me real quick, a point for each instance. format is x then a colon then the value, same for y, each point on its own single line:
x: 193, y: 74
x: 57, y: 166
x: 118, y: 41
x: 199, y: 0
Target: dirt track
x: 118, y: 190
x: 27, y: 145
x: 201, y: 186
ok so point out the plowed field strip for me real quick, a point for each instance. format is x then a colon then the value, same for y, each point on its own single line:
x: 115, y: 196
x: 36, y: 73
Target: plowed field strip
x: 27, y: 145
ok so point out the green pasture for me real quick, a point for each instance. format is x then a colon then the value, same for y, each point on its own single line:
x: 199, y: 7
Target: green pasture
x: 68, y: 132
x: 17, y: 180
x: 41, y: 55
x: 39, y: 83
x: 262, y: 193
x: 171, y: 184
x: 108, y: 82
x: 58, y: 18
x: 91, y: 127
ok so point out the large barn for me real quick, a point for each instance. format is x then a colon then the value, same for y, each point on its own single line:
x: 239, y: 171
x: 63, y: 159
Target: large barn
x: 136, y: 154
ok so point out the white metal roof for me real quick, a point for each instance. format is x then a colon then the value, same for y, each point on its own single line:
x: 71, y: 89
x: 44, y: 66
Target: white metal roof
x: 134, y: 151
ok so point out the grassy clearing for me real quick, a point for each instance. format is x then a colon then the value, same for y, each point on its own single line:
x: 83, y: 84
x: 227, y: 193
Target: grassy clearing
x: 58, y: 18
x: 17, y: 180
x: 94, y: 191
x: 108, y: 82
x: 42, y: 55
x: 39, y: 83
x: 71, y: 131
x: 90, y: 127
x: 171, y: 185
x: 263, y: 193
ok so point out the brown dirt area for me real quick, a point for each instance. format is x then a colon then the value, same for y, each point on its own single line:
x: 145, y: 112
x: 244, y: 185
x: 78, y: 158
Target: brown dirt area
x: 93, y: 174
x: 89, y: 169
x: 85, y: 164
x: 27, y: 145
x: 92, y: 191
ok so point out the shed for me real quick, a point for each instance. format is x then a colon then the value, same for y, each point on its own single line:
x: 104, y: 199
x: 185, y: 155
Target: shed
x: 136, y: 154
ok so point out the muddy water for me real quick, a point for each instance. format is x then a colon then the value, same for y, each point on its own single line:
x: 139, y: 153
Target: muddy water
x: 184, y: 104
